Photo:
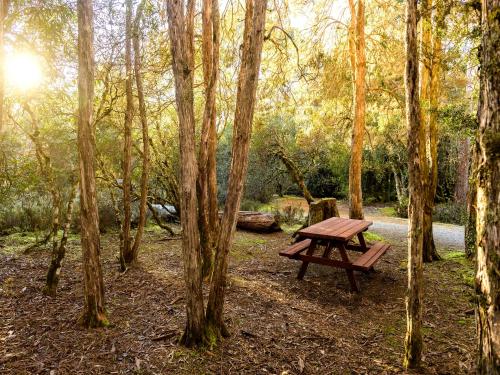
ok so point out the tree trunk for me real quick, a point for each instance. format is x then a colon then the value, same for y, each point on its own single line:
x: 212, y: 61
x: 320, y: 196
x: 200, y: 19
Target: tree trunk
x: 358, y: 126
x: 207, y: 190
x: 322, y: 209
x: 429, y: 98
x: 182, y: 49
x: 59, y: 249
x: 4, y: 7
x: 253, y: 38
x: 295, y: 173
x: 145, y: 133
x: 413, y: 340
x: 462, y: 184
x: 126, y: 254
x: 488, y: 194
x: 93, y: 312
x: 470, y: 225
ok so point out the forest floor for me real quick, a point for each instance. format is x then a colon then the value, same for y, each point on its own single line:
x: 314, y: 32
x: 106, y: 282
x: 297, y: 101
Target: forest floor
x: 279, y: 325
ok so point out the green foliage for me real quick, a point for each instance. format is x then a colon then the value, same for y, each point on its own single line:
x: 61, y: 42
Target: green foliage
x: 450, y: 212
x: 401, y: 208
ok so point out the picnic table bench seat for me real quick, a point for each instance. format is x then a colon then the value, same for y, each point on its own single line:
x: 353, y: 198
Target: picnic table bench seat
x: 366, y: 261
x: 296, y: 248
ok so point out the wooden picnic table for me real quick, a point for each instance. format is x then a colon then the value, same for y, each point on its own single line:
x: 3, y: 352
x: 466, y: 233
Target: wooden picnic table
x: 336, y: 234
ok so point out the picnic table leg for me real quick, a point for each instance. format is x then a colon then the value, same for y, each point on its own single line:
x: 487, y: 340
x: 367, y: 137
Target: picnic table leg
x: 303, y: 267
x: 350, y: 273
x: 362, y: 242
x: 328, y: 250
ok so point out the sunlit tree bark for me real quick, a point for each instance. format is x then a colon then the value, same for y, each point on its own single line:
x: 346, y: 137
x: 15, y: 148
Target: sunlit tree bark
x: 4, y: 7
x: 145, y: 131
x: 181, y: 33
x: 207, y: 180
x: 253, y: 38
x: 488, y: 194
x: 94, y: 314
x: 358, y: 126
x: 126, y: 254
x: 413, y: 340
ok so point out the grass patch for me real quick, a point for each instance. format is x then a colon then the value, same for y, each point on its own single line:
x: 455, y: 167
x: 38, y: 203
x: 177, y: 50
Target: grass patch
x: 372, y: 237
x: 388, y: 211
x: 290, y: 228
x: 466, y: 269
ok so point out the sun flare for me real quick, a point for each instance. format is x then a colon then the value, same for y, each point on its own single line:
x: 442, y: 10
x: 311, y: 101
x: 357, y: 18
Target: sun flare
x: 23, y: 71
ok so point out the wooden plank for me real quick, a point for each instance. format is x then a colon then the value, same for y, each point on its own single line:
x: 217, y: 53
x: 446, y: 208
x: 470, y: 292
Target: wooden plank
x: 368, y: 259
x: 303, y: 267
x: 350, y: 232
x: 296, y: 248
x: 335, y: 228
x: 324, y: 261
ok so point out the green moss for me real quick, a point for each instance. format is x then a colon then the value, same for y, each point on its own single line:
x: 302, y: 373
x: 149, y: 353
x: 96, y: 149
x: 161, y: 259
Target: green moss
x: 466, y: 269
x: 388, y: 211
x: 290, y: 228
x: 372, y: 237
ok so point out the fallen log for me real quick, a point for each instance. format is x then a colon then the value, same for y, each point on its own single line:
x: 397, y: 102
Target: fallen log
x: 257, y: 222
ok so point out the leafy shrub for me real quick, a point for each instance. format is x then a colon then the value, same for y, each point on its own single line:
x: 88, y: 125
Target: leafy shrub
x: 29, y: 213
x: 291, y: 214
x: 450, y: 212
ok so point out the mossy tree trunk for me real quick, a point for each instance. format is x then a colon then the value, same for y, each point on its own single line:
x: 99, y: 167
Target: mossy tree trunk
x: 488, y: 194
x: 413, y: 340
x: 94, y: 314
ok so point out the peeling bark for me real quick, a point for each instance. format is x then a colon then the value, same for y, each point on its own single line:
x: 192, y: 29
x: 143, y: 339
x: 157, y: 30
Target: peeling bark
x: 94, y: 314
x: 413, y: 339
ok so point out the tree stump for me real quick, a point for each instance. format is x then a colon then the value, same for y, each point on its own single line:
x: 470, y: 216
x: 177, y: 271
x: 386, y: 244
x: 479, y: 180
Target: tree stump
x: 322, y: 209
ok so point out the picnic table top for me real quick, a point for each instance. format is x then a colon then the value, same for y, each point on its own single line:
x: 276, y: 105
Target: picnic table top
x: 336, y: 228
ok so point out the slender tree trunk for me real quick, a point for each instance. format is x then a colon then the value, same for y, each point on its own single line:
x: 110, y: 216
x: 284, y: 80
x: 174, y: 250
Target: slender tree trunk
x: 181, y: 40
x: 94, y: 311
x: 488, y: 194
x: 462, y: 184
x: 358, y: 126
x: 470, y: 225
x: 4, y: 7
x: 126, y: 253
x: 206, y: 182
x: 59, y: 249
x: 295, y: 173
x: 253, y: 38
x: 413, y: 340
x: 145, y: 133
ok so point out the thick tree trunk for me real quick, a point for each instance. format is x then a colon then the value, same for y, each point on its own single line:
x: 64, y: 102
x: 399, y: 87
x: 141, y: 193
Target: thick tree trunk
x: 488, y: 194
x: 322, y: 209
x: 358, y: 126
x: 253, y: 38
x: 145, y: 133
x: 206, y: 182
x: 59, y: 249
x: 94, y: 311
x: 126, y: 254
x: 413, y: 340
x: 181, y: 39
x: 295, y: 173
x: 462, y: 183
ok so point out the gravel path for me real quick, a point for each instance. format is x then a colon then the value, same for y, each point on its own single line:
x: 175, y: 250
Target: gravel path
x: 445, y: 235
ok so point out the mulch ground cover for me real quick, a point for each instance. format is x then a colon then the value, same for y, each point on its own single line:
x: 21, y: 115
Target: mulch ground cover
x: 279, y: 325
